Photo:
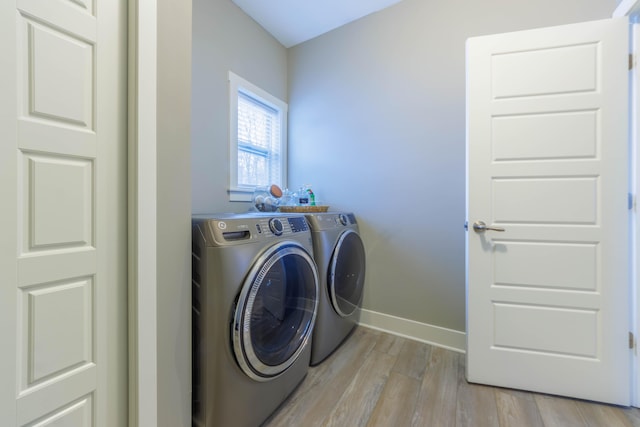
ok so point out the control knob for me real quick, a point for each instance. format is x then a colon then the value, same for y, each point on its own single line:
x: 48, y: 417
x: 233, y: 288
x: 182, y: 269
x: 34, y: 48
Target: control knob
x: 276, y: 227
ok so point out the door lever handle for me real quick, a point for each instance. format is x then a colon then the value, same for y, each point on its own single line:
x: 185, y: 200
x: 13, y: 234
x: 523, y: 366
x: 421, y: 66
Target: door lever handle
x: 480, y: 226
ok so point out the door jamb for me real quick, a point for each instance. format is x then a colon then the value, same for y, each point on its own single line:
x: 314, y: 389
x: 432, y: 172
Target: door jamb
x: 142, y: 204
x: 634, y: 186
x: 631, y: 9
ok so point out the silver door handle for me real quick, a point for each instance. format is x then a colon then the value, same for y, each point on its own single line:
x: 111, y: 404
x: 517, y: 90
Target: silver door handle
x: 480, y: 226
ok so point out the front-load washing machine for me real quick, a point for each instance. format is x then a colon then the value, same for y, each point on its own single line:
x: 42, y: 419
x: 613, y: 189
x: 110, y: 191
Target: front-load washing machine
x: 340, y: 257
x: 255, y: 297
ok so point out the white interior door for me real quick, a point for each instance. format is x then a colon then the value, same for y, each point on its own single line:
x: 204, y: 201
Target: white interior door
x: 548, y: 297
x: 62, y: 222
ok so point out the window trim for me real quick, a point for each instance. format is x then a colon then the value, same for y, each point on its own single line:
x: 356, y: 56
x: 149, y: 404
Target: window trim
x: 237, y: 83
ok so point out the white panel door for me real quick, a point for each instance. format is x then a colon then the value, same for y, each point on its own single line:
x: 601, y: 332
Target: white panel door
x: 548, y: 297
x: 62, y: 274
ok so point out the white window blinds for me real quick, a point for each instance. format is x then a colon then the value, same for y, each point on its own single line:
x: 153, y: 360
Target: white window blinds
x: 258, y: 142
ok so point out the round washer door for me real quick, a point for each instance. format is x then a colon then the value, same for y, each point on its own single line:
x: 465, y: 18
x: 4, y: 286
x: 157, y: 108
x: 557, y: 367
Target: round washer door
x: 346, y: 273
x: 275, y: 311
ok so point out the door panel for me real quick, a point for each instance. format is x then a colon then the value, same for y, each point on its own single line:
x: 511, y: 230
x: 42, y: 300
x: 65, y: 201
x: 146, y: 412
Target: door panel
x: 58, y: 202
x: 544, y: 71
x: 64, y: 307
x: 522, y: 264
x: 547, y: 306
x: 540, y: 136
x: 62, y: 134
x: 544, y: 200
x: 51, y: 79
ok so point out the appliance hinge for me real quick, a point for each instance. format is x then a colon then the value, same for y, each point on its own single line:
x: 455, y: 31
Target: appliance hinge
x: 631, y: 340
x: 632, y: 201
x: 631, y: 61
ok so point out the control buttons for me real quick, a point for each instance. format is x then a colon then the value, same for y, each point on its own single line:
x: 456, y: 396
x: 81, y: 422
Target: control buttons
x: 298, y: 224
x: 276, y: 227
x: 343, y: 219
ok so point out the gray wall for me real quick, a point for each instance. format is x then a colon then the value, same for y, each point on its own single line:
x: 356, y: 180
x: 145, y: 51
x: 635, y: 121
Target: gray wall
x: 225, y: 39
x: 174, y: 213
x: 377, y: 125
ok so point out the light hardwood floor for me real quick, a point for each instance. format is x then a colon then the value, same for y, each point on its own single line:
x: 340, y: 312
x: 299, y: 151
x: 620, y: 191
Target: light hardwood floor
x: 376, y: 379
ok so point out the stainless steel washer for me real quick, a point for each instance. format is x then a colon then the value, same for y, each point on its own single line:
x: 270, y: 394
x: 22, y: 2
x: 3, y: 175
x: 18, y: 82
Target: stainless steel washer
x: 255, y: 297
x: 340, y: 256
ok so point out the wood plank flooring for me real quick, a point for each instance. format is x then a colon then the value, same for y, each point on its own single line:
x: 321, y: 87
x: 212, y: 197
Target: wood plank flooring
x: 376, y: 380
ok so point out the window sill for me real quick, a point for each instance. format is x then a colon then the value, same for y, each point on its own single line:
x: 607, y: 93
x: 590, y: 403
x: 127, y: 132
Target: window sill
x: 240, y: 195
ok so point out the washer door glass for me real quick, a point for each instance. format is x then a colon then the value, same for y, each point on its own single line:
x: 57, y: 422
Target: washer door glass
x: 346, y: 273
x: 275, y: 311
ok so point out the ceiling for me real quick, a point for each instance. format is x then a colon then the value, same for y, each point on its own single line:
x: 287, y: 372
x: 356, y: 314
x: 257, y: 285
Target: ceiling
x: 295, y: 21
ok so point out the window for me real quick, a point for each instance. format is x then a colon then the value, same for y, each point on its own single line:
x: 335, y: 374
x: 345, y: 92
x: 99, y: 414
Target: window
x: 257, y: 139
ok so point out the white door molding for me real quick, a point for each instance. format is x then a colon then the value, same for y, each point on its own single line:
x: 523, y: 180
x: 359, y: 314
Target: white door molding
x: 143, y: 383
x: 635, y: 230
x: 630, y: 8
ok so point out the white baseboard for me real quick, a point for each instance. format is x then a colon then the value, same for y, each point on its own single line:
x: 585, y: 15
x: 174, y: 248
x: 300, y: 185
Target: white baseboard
x: 434, y: 335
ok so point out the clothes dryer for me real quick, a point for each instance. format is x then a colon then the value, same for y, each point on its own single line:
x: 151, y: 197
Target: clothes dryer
x: 255, y: 297
x: 340, y: 257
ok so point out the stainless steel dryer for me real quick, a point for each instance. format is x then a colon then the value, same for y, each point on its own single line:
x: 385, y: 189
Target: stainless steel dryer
x: 255, y: 297
x: 339, y: 253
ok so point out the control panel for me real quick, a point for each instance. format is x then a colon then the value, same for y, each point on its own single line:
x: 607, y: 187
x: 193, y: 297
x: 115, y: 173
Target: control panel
x: 278, y: 226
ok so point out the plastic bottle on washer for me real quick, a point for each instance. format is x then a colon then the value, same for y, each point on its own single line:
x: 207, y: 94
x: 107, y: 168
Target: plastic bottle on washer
x: 303, y: 196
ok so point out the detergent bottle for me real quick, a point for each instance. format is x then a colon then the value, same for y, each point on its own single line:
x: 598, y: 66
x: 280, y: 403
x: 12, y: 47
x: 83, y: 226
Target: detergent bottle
x: 312, y: 197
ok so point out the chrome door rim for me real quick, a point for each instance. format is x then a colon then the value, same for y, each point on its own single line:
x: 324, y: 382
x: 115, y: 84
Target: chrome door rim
x: 332, y: 274
x: 249, y: 362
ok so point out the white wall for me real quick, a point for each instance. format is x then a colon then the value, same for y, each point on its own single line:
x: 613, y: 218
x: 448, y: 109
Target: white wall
x: 173, y: 214
x: 225, y: 39
x: 377, y: 125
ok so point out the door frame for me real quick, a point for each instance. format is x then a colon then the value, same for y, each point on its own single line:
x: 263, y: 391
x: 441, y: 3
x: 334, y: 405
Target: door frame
x: 159, y: 364
x: 631, y: 9
x: 142, y: 221
x: 634, y: 185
